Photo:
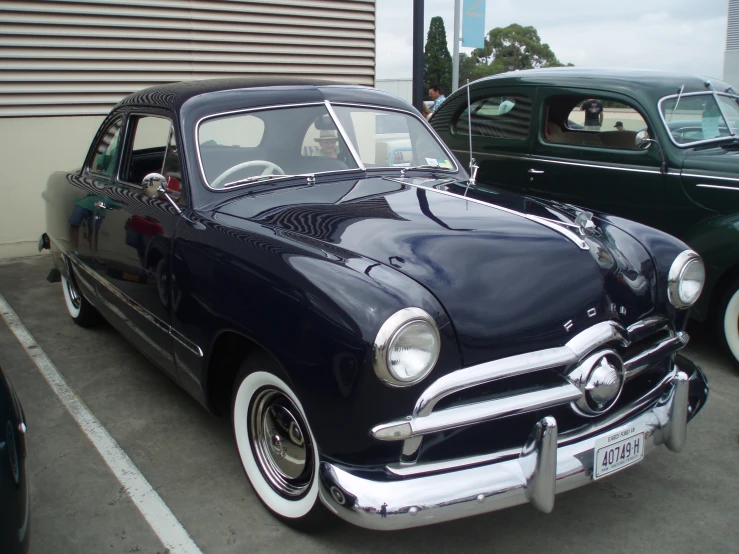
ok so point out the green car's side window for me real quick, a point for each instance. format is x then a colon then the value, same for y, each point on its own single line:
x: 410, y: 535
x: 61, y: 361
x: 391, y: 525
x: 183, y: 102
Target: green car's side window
x: 501, y: 116
x: 587, y: 121
x: 106, y: 150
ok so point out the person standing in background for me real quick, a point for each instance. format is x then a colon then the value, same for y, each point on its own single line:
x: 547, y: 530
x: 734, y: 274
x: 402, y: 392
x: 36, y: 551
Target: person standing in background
x: 437, y: 96
x: 593, y: 114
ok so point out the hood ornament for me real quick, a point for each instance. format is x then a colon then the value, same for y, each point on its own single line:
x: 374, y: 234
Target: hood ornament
x: 584, y: 221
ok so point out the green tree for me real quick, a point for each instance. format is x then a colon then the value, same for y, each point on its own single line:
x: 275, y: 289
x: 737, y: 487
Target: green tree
x: 515, y: 47
x: 437, y: 61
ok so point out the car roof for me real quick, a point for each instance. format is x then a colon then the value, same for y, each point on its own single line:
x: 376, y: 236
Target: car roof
x: 175, y: 95
x: 654, y: 83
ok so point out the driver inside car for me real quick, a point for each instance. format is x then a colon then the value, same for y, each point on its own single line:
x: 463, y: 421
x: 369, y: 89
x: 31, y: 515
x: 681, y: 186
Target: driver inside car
x: 328, y: 142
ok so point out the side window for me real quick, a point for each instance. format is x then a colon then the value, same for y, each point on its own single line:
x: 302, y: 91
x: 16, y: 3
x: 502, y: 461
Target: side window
x: 106, y: 150
x: 150, y: 143
x: 586, y: 121
x: 505, y: 116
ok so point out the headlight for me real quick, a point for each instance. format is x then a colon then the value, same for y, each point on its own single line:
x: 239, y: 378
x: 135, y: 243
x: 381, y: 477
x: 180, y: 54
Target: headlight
x: 685, y: 280
x: 406, y: 348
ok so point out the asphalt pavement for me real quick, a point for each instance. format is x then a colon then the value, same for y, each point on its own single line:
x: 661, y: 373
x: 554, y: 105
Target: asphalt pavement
x: 687, y: 502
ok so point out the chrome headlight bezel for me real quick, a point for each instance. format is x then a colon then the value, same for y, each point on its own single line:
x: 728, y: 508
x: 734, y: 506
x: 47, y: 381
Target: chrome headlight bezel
x: 389, y: 333
x: 675, y: 276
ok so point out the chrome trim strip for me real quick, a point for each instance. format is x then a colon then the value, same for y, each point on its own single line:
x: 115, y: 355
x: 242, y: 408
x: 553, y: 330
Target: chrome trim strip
x: 647, y: 326
x: 735, y: 189
x: 164, y: 326
x: 704, y: 176
x: 409, y: 470
x: 597, y: 166
x: 490, y: 371
x: 491, y: 155
x: 540, y: 220
x: 470, y: 414
x: 451, y: 495
x: 187, y: 343
x: 596, y: 336
x: 652, y: 355
x: 342, y: 132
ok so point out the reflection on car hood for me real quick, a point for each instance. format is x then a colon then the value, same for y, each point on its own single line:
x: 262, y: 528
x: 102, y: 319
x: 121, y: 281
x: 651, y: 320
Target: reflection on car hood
x: 509, y: 284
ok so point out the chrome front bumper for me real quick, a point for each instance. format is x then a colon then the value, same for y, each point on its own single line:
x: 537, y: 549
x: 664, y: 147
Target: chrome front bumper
x: 545, y: 466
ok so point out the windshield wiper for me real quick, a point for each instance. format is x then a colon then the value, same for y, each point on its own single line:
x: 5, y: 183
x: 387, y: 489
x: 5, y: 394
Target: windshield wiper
x: 257, y: 179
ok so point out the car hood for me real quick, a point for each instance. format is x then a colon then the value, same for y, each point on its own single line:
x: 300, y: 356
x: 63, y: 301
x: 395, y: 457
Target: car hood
x: 709, y: 175
x: 508, y: 284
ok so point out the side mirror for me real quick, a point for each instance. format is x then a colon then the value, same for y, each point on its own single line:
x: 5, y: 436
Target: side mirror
x: 154, y: 184
x: 642, y: 140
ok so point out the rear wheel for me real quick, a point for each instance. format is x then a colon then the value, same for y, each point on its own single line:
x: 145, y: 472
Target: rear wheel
x: 82, y: 312
x: 729, y: 319
x: 276, y: 446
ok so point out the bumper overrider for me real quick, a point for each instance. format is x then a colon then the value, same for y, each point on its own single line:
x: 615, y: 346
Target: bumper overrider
x: 547, y: 463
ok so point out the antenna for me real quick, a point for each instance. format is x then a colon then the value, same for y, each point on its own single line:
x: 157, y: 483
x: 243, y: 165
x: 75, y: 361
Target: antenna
x: 473, y: 165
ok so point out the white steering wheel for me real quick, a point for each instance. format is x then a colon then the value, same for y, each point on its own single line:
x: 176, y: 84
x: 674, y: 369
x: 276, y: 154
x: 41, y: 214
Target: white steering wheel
x: 269, y: 169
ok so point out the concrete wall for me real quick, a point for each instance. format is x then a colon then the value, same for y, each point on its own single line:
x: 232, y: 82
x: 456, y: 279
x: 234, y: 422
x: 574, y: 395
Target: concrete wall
x: 30, y: 149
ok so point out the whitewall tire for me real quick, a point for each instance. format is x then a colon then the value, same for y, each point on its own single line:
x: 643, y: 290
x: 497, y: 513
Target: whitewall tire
x: 82, y: 312
x: 276, y: 446
x: 729, y: 320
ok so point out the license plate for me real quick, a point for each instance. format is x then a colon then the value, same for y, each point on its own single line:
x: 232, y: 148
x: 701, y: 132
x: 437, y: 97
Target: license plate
x: 617, y: 450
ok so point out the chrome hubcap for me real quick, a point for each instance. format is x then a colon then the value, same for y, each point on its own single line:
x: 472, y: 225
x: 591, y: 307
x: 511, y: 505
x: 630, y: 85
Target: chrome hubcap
x: 280, y: 443
x: 74, y: 294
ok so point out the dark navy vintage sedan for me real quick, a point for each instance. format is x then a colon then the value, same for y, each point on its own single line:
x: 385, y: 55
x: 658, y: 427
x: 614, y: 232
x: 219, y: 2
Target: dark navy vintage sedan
x: 15, y: 499
x: 302, y: 257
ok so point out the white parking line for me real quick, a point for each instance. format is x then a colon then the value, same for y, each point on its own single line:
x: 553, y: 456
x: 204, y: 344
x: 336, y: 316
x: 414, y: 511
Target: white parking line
x: 152, y: 507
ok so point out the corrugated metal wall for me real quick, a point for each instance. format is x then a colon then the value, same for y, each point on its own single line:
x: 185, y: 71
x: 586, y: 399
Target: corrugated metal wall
x: 66, y: 57
x: 732, y: 28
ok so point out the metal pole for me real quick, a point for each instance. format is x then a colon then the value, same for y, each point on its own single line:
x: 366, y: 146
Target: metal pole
x: 418, y: 54
x: 455, y: 58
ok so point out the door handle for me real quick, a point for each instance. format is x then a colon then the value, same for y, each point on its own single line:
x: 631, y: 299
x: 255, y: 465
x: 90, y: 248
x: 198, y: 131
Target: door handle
x: 536, y: 171
x: 101, y: 205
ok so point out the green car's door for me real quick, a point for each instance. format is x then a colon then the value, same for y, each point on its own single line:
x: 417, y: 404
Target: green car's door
x: 502, y: 130
x: 597, y: 166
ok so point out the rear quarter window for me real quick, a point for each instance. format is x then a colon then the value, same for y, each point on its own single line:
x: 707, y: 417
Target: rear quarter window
x: 503, y: 116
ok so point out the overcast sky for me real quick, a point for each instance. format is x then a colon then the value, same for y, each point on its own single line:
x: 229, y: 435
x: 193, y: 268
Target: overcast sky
x: 682, y: 35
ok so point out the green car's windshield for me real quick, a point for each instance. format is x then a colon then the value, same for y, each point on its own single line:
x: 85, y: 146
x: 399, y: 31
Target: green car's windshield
x: 696, y: 118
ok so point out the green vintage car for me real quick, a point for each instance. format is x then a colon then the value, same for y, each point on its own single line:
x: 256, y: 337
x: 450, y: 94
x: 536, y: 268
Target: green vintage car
x: 659, y: 148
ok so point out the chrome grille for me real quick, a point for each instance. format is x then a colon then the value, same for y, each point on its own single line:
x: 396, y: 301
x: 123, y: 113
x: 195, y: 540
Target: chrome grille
x: 494, y: 398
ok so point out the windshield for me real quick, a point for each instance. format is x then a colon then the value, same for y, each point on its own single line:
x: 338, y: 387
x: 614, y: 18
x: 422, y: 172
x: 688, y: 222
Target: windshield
x: 696, y: 118
x: 391, y: 139
x: 265, y: 145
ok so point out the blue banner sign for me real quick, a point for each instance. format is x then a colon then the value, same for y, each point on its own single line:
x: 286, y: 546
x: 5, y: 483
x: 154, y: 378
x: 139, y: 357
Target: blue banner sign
x: 473, y: 23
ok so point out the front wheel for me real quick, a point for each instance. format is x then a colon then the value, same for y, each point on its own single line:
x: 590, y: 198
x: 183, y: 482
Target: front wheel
x: 82, y: 312
x: 276, y: 446
x: 729, y: 319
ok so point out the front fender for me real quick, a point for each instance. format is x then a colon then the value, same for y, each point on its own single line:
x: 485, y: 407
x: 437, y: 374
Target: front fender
x: 316, y: 309
x: 717, y: 241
